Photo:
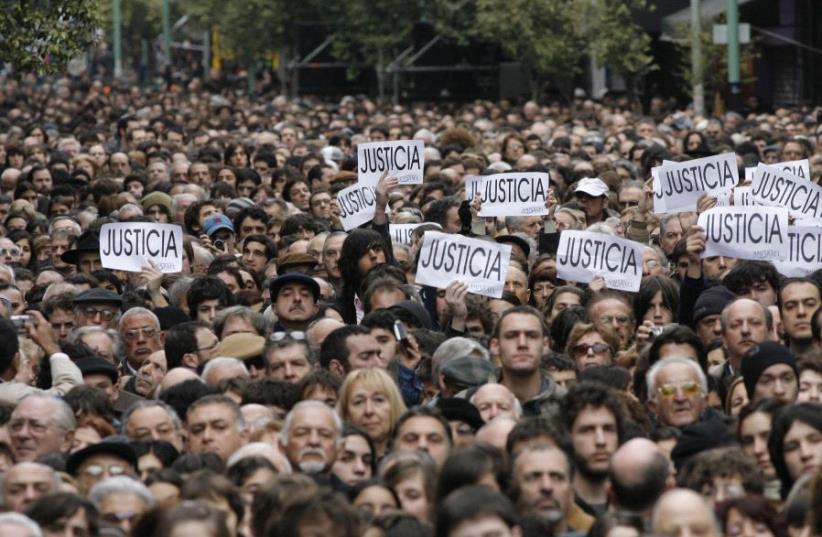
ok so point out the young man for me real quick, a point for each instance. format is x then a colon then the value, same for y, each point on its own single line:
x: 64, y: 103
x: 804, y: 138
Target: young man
x: 475, y: 511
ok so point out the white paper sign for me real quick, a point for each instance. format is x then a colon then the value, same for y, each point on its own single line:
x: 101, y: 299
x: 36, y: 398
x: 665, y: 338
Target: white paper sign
x: 403, y: 158
x: 745, y: 232
x: 777, y: 188
x: 479, y: 264
x: 799, y: 168
x: 659, y: 201
x: 583, y: 255
x: 401, y: 233
x: 357, y: 204
x: 742, y: 196
x: 681, y: 184
x: 514, y: 194
x: 804, y: 250
x: 131, y: 246
x: 473, y: 184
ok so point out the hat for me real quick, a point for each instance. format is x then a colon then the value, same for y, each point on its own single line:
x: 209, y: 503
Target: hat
x: 98, y: 295
x: 771, y: 149
x: 170, y: 316
x: 112, y: 446
x: 344, y: 176
x: 711, y: 302
x: 332, y: 153
x: 759, y: 358
x: 157, y: 198
x: 592, y: 186
x: 241, y: 346
x: 456, y: 409
x: 699, y: 437
x: 294, y: 277
x: 88, y: 242
x: 295, y: 259
x: 419, y: 313
x: 468, y: 371
x: 513, y: 239
x: 93, y: 365
x: 238, y: 204
x: 215, y: 223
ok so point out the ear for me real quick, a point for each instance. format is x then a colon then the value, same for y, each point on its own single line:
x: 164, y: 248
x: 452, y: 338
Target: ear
x: 651, y: 404
x: 190, y: 360
x: 163, y: 338
x: 336, y: 367
x: 65, y: 447
x: 546, y: 345
x: 493, y: 346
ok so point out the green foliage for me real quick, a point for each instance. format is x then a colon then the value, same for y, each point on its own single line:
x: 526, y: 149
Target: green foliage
x: 617, y: 41
x: 41, y: 36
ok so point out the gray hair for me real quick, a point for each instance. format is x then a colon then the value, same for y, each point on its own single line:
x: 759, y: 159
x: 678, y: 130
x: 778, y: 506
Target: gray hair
x: 10, y: 272
x: 256, y: 319
x: 16, y: 519
x: 64, y: 415
x: 601, y: 227
x: 178, y: 290
x: 216, y: 362
x: 151, y: 403
x: 77, y: 334
x: 120, y: 485
x: 650, y: 377
x: 452, y: 348
x: 311, y: 404
x: 131, y: 312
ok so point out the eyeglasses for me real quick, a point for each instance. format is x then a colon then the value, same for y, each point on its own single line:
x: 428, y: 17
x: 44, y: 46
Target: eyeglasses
x: 297, y: 335
x: 132, y: 335
x: 620, y: 319
x: 583, y: 348
x: 96, y: 470
x: 11, y: 252
x: 688, y: 388
x: 91, y: 311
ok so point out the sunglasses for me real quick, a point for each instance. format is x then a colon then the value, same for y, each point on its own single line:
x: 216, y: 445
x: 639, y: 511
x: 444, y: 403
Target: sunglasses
x: 276, y: 337
x: 583, y: 348
x: 688, y: 388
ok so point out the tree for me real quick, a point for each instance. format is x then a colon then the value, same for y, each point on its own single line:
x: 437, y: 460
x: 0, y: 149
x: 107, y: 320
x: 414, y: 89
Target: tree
x: 41, y: 36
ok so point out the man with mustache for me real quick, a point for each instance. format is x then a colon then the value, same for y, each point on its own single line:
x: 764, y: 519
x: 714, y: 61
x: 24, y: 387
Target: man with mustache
x: 310, y: 437
x: 294, y: 299
x: 543, y: 486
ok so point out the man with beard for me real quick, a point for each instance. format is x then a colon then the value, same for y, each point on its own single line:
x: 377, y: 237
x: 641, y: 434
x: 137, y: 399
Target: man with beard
x: 310, y: 436
x: 294, y: 299
x: 594, y: 423
x: 543, y: 490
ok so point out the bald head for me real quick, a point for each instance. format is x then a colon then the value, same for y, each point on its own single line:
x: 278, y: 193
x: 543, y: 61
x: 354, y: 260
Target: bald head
x: 496, y: 432
x: 493, y: 400
x: 320, y: 329
x: 176, y: 376
x: 638, y: 475
x: 682, y: 512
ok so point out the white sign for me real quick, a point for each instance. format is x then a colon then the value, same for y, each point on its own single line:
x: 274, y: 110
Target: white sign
x: 778, y: 188
x: 357, y: 204
x: 745, y: 232
x: 130, y: 246
x: 473, y: 184
x: 720, y: 33
x: 583, y: 255
x: 742, y: 196
x: 514, y: 194
x: 659, y: 201
x: 680, y: 184
x: 481, y: 265
x: 804, y: 250
x: 404, y: 159
x: 401, y: 233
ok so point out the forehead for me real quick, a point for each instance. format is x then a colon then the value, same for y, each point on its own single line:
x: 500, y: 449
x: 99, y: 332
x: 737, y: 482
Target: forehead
x: 35, y: 407
x: 28, y: 473
x: 610, y: 305
x: 313, y: 416
x: 357, y: 443
x: 211, y: 412
x: 138, y: 320
x: 592, y: 337
x: 152, y: 413
x: 745, y: 308
x: 595, y: 413
x: 294, y: 287
x: 421, y: 424
x: 676, y: 372
x: 522, y: 321
x: 492, y: 392
x: 799, y: 290
x: 777, y: 369
x: 546, y: 460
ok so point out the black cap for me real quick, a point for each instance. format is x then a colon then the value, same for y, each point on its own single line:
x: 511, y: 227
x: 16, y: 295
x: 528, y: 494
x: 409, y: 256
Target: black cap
x: 711, y: 302
x: 98, y: 295
x: 759, y: 358
x: 88, y: 242
x: 98, y: 366
x: 513, y: 239
x: 294, y: 277
x: 456, y: 409
x: 111, y: 446
x: 468, y: 371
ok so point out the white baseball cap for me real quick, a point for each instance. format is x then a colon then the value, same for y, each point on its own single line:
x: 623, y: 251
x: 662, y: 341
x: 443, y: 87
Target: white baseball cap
x: 592, y: 186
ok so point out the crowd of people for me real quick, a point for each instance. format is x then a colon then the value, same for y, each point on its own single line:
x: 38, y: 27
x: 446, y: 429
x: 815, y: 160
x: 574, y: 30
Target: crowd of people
x: 293, y: 380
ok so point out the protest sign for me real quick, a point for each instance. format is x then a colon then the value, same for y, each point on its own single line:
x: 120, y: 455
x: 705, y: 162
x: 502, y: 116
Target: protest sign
x: 804, y: 249
x: 357, y: 203
x: 401, y: 233
x: 680, y: 184
x: 131, y: 246
x: 659, y: 201
x: 473, y: 185
x: 745, y: 232
x: 799, y: 168
x: 742, y: 196
x: 404, y: 159
x: 583, y: 255
x: 481, y: 265
x: 514, y: 194
x: 774, y: 187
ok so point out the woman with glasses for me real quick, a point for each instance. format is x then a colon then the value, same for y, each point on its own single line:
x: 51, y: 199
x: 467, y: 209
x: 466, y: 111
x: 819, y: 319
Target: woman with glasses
x: 592, y: 345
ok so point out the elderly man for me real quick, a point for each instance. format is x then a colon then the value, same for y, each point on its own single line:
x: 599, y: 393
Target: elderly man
x: 294, y: 299
x: 745, y: 323
x: 41, y: 425
x: 147, y: 421
x: 98, y: 307
x: 140, y: 330
x: 121, y: 501
x: 25, y: 482
x: 677, y: 391
x: 494, y: 400
x: 310, y: 437
x: 215, y: 425
x: 683, y: 513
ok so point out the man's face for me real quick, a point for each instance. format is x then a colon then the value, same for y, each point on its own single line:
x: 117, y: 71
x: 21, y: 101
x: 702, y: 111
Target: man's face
x: 157, y: 171
x: 208, y: 309
x: 671, y: 235
x: 387, y: 342
x: 520, y: 344
x: 678, y: 400
x: 424, y: 433
x: 88, y: 262
x: 289, y: 363
x: 716, y: 267
x: 295, y: 302
x: 119, y: 165
x: 483, y: 525
x: 331, y: 256
x: 494, y: 400
x: 762, y: 292
x: 563, y: 301
x: 102, y: 382
x: 141, y: 336
x: 364, y: 352
x: 592, y: 206
x: 198, y: 174
x: 516, y: 282
x: 619, y: 315
x: 452, y: 221
x: 251, y: 226
x: 101, y: 466
x: 61, y: 321
x: 544, y: 481
x: 151, y: 373
x: 799, y: 301
x: 101, y: 343
x: 777, y: 382
x: 745, y: 328
x: 102, y: 315
x: 685, y: 516
x: 153, y: 423
x: 630, y: 197
x: 34, y: 431
x: 25, y: 483
x: 121, y: 510
x: 312, y: 440
x: 41, y: 180
x: 709, y: 328
x: 214, y: 428
x: 594, y: 436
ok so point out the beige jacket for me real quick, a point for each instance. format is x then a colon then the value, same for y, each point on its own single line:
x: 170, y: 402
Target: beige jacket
x: 65, y: 375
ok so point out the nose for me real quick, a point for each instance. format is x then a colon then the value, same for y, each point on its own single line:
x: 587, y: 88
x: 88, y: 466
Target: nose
x: 718, y: 327
x: 314, y: 438
x: 722, y: 263
x: 599, y: 436
x: 778, y: 387
x: 522, y: 341
x: 289, y: 371
x: 369, y: 407
x: 805, y: 451
x: 493, y: 412
x: 547, y: 485
x: 759, y: 446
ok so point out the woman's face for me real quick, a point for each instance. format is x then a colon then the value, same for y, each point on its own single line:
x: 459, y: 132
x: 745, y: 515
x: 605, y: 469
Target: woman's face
x: 375, y: 500
x: 802, y: 449
x: 76, y: 524
x: 514, y: 150
x: 657, y: 312
x: 25, y: 252
x: 693, y: 142
x: 239, y: 159
x: 256, y: 482
x: 354, y: 459
x: 739, y: 398
x: 754, y: 432
x: 562, y: 302
x: 542, y: 292
x: 810, y: 387
x: 147, y: 464
x: 413, y: 500
x: 739, y: 525
x: 370, y: 409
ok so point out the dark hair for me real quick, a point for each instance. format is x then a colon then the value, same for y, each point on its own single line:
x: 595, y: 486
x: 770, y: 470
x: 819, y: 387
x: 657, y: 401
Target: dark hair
x: 549, y: 304
x: 181, y: 339
x: 189, y: 463
x: 357, y: 489
x: 650, y: 286
x: 352, y: 430
x: 591, y: 394
x: 246, y: 467
x: 356, y: 245
x: 747, y: 273
x: 564, y: 323
x: 334, y: 347
x: 326, y: 504
x: 527, y: 310
x: 165, y: 452
x: 438, y: 210
x: 756, y: 508
x: 468, y: 503
x: 422, y: 412
x: 207, y: 288
x: 379, y: 319
x: 9, y: 346
x: 466, y: 465
x: 253, y: 212
x: 534, y: 427
x: 182, y: 395
x: 270, y: 392
x: 809, y: 414
x: 318, y: 377
x: 270, y: 247
x: 207, y: 484
x: 286, y: 192
x: 192, y: 511
x: 50, y: 508
x: 788, y: 281
x: 701, y: 470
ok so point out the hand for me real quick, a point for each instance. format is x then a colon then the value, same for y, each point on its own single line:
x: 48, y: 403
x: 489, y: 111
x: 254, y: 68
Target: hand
x: 152, y: 278
x: 455, y: 298
x: 39, y: 331
x: 476, y: 205
x: 205, y: 242
x: 409, y: 354
x: 551, y: 203
x: 695, y: 242
x: 646, y: 201
x: 643, y: 335
x: 597, y: 284
x: 384, y: 186
x: 25, y: 373
x: 704, y: 203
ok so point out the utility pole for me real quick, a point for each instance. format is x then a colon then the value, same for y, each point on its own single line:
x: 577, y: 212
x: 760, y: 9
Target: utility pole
x: 733, y: 55
x: 117, y: 38
x: 696, y: 58
x: 167, y: 32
